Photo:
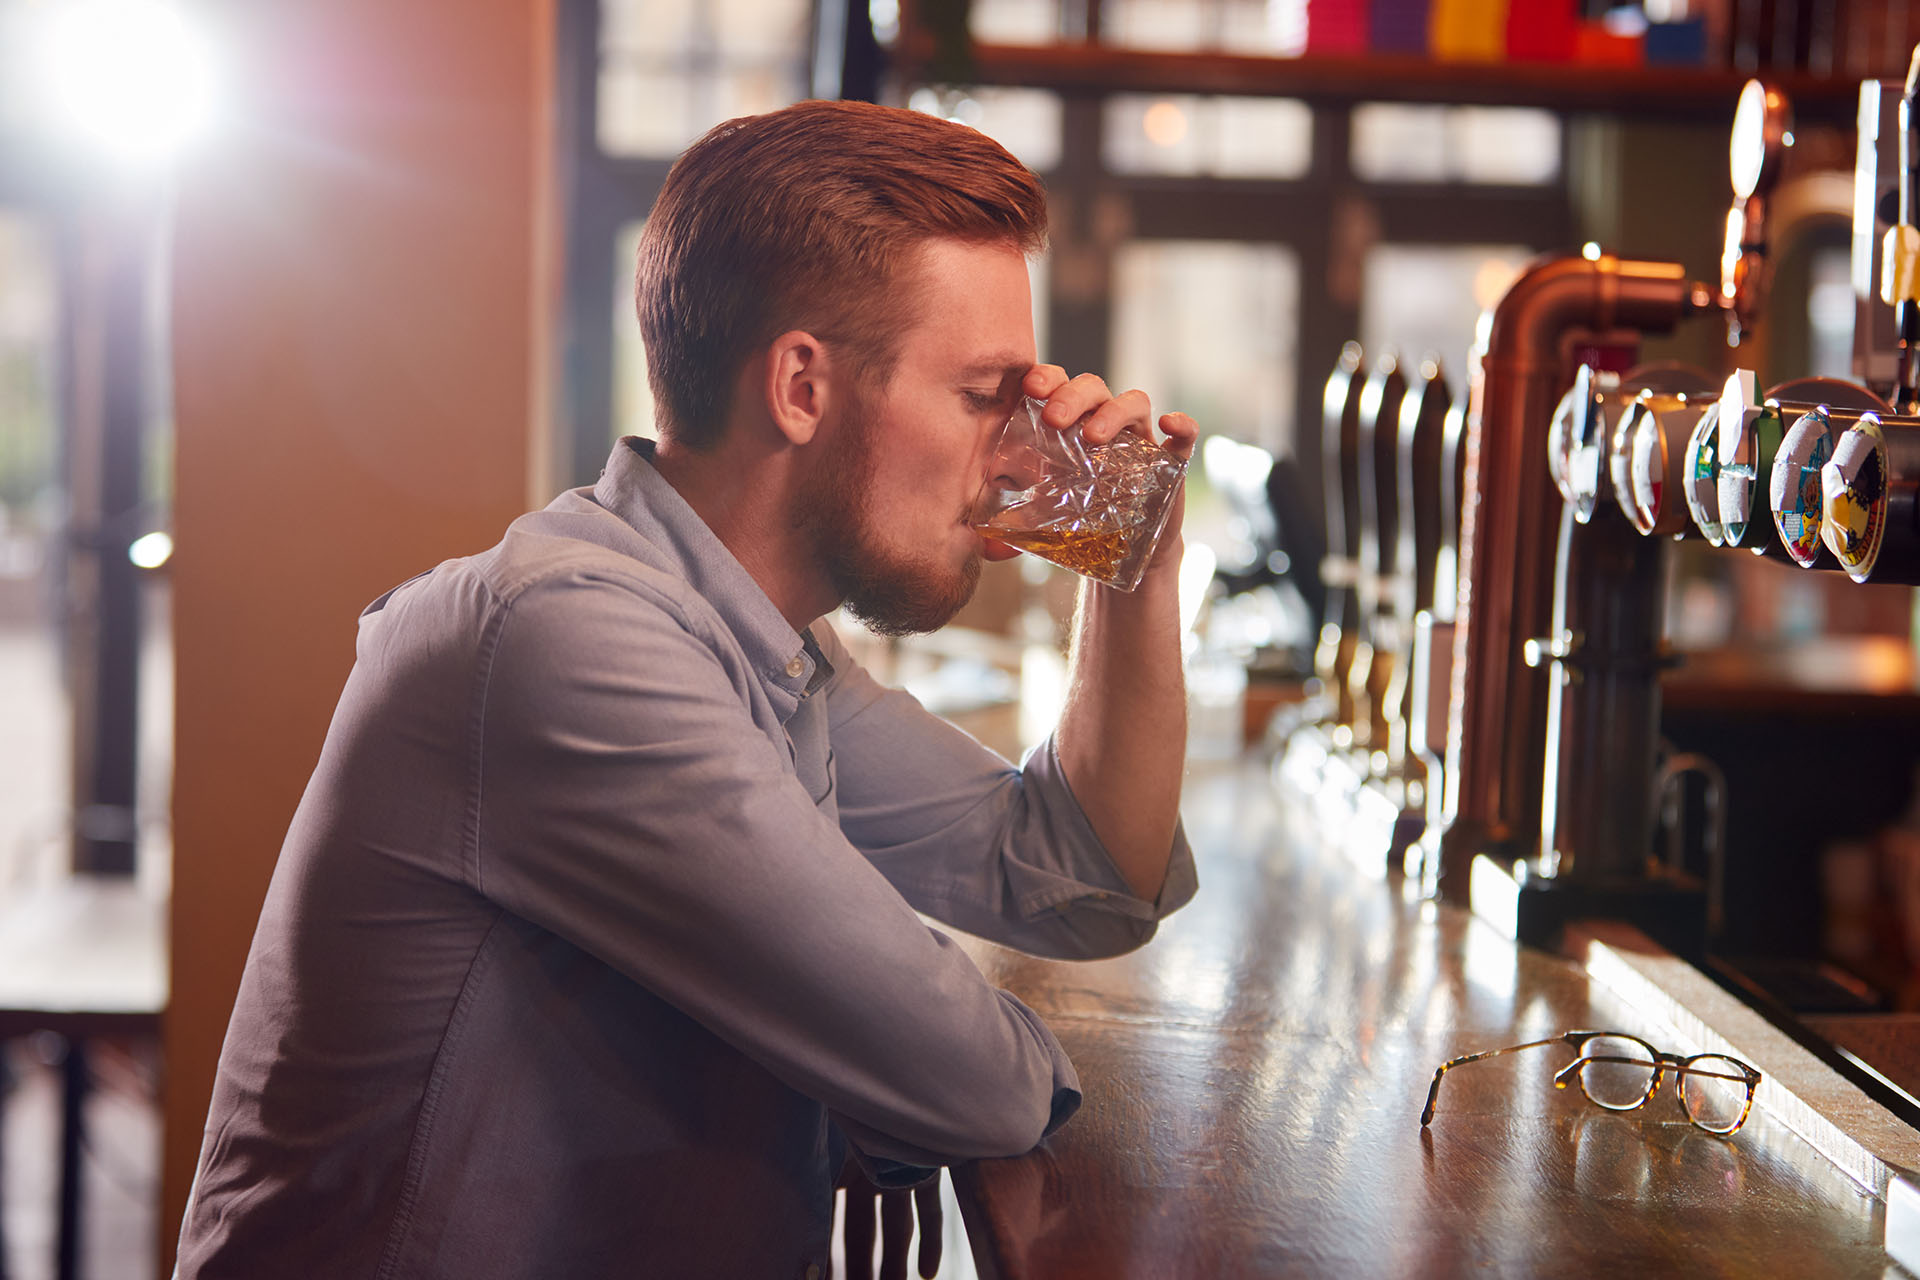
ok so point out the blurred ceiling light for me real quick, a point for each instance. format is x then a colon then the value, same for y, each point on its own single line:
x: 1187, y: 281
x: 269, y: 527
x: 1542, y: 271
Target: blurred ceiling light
x: 132, y: 78
x: 1165, y: 124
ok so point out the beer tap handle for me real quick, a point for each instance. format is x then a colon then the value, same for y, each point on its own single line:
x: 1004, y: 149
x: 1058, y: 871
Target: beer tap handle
x: 1762, y: 132
x: 1339, y: 634
x: 1870, y: 497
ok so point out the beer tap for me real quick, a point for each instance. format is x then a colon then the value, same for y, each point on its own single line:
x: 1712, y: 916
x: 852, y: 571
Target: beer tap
x: 1333, y: 659
x: 1430, y: 672
x: 1870, y: 498
x: 1762, y: 132
x: 1748, y: 437
x: 1379, y: 487
x: 1647, y: 456
x: 1497, y: 711
x: 1422, y: 476
x: 1605, y: 652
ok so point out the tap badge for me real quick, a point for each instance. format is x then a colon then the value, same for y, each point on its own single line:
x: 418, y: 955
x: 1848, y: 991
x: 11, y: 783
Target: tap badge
x: 1794, y: 486
x: 1853, y: 487
x: 1703, y: 477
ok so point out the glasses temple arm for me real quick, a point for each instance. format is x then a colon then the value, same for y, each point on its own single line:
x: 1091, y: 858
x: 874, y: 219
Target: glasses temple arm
x: 1433, y: 1090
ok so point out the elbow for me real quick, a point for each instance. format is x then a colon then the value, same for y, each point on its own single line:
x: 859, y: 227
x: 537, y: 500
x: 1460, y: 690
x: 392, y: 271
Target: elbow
x: 1095, y: 935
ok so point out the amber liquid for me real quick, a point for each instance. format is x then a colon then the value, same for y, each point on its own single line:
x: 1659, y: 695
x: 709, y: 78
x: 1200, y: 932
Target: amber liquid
x: 1094, y: 552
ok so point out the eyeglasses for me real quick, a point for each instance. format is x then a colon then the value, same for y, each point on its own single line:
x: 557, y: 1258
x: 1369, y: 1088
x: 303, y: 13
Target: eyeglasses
x: 1621, y: 1072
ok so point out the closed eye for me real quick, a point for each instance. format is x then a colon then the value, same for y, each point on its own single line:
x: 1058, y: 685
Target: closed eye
x: 982, y: 401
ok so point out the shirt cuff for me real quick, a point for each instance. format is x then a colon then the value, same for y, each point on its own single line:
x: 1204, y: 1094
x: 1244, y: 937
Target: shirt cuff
x: 1089, y: 880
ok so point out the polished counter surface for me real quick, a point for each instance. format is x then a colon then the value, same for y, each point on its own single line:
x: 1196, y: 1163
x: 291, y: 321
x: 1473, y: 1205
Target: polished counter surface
x: 1254, y: 1079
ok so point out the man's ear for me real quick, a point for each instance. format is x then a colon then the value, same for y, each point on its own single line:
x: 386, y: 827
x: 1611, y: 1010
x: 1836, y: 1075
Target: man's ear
x: 799, y: 384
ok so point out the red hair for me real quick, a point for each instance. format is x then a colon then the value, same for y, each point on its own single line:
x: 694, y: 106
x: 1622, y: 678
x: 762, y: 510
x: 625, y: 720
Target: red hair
x: 805, y: 218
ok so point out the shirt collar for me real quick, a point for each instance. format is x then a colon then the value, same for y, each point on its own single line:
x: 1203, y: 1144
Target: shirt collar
x: 632, y: 489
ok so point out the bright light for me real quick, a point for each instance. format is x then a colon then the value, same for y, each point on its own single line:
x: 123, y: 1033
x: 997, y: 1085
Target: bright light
x: 1165, y: 124
x: 152, y: 550
x: 131, y: 77
x: 1590, y: 251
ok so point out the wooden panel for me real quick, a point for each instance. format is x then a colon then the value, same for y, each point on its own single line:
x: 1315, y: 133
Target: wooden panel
x: 1254, y: 1079
x: 360, y: 288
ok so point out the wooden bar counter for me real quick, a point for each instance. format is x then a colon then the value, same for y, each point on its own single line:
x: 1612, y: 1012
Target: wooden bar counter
x: 1254, y: 1079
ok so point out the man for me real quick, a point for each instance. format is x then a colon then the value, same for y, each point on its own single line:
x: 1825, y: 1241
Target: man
x: 592, y: 945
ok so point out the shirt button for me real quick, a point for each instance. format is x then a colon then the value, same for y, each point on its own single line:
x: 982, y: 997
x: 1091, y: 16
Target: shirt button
x: 796, y: 666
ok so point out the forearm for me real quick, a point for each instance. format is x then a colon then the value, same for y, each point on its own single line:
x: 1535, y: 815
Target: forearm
x: 1123, y: 733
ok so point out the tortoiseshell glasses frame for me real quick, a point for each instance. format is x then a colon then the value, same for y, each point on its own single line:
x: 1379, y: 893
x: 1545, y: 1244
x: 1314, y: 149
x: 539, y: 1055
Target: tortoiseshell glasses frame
x: 1622, y: 1072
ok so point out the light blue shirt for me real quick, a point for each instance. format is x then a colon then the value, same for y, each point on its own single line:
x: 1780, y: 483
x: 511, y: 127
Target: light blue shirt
x: 595, y: 930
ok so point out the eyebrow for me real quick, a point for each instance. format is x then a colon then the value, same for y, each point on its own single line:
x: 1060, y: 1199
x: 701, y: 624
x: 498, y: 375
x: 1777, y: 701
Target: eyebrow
x: 999, y: 366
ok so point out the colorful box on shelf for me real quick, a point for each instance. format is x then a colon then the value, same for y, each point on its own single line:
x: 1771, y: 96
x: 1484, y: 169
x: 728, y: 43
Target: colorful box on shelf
x: 1399, y: 26
x: 1336, y: 27
x: 1598, y: 45
x: 1467, y: 30
x: 1541, y: 31
x: 1676, y: 44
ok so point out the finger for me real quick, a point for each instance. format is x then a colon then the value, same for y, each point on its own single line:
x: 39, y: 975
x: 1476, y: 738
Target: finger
x: 926, y: 1200
x: 856, y: 1235
x: 1128, y: 411
x: 896, y: 1233
x: 1043, y: 380
x: 1181, y: 433
x: 1074, y: 399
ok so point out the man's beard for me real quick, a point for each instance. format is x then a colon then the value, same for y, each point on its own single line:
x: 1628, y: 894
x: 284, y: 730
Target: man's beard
x: 891, y: 593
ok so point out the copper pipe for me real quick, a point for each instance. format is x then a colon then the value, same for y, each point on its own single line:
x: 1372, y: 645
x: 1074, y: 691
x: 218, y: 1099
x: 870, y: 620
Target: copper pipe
x: 1496, y: 733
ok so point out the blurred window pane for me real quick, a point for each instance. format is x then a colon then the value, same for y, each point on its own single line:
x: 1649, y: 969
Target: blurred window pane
x: 1024, y: 121
x: 1505, y: 146
x: 632, y: 397
x: 1213, y: 137
x: 1014, y: 21
x: 1830, y: 314
x: 1270, y: 27
x: 672, y: 69
x: 1210, y: 327
x: 36, y: 727
x: 16, y: 79
x: 1419, y: 300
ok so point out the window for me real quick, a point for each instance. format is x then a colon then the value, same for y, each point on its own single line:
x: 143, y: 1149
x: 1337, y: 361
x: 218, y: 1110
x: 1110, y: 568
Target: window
x: 672, y: 69
x: 1231, y: 26
x: 1211, y: 328
x: 1024, y: 121
x: 1419, y: 300
x: 1213, y: 137
x: 632, y: 396
x: 1014, y: 21
x: 1495, y: 146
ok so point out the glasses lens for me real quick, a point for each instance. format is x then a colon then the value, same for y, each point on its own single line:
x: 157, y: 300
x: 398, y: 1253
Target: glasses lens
x: 1617, y: 1072
x: 1713, y: 1102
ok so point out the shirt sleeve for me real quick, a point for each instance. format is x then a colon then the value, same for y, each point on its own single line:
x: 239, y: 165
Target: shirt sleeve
x: 1004, y: 853
x: 629, y: 804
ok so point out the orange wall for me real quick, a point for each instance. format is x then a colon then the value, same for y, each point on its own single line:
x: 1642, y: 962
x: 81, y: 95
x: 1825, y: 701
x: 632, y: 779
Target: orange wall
x: 361, y: 279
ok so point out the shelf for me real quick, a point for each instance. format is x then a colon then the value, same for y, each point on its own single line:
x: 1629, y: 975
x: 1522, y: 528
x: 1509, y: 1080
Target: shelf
x: 1686, y: 92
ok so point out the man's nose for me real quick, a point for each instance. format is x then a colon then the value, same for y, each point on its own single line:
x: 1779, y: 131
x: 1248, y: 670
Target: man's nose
x: 1017, y: 467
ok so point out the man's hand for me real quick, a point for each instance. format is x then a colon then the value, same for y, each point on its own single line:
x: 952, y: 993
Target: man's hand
x: 897, y: 1212
x: 1087, y: 402
x: 1101, y: 414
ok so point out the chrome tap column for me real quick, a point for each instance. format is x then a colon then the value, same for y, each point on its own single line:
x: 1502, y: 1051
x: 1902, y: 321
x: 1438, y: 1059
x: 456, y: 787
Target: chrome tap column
x: 1496, y: 735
